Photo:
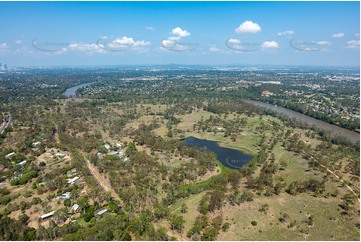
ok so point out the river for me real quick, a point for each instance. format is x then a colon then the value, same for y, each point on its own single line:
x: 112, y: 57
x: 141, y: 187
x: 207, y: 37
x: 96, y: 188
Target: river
x: 230, y: 158
x: 71, y: 91
x: 335, y: 130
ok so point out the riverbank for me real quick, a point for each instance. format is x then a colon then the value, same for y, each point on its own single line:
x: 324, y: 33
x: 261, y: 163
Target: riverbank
x: 71, y: 91
x: 312, y: 122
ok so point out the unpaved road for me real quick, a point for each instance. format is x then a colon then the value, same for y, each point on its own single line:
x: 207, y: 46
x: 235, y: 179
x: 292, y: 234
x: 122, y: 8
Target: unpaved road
x: 103, y: 182
x: 348, y: 187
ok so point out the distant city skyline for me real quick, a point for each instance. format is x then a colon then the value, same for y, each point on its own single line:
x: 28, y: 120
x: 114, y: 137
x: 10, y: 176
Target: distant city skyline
x: 194, y: 33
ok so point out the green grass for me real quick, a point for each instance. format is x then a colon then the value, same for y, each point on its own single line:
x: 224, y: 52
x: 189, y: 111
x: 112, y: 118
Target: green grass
x: 299, y: 208
x: 192, y: 211
x: 203, y: 185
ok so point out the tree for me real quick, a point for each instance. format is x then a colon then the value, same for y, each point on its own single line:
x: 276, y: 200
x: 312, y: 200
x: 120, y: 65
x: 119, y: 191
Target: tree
x: 209, y: 233
x: 177, y: 223
x: 67, y: 202
x: 131, y: 149
x: 203, y: 205
x: 246, y: 196
x: 184, y: 208
x: 226, y: 226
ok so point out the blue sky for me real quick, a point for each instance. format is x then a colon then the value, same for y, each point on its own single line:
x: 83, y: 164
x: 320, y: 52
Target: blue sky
x: 227, y: 33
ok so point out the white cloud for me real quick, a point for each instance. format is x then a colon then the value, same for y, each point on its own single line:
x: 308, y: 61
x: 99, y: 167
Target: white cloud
x: 174, y: 45
x: 61, y: 51
x: 178, y: 32
x: 353, y: 44
x: 173, y: 42
x: 149, y: 28
x: 214, y: 49
x: 234, y: 41
x: 248, y: 27
x: 286, y: 33
x: 338, y: 35
x: 18, y: 41
x: 3, y: 46
x: 127, y: 42
x: 269, y: 44
x: 85, y: 47
x: 323, y: 43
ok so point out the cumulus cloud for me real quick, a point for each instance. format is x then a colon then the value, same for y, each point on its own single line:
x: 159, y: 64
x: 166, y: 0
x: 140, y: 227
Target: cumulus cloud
x: 286, y: 33
x: 338, y: 35
x: 269, y: 44
x: 357, y: 34
x: 149, y: 28
x: 234, y: 41
x: 248, y: 27
x: 214, y: 49
x: 180, y: 33
x: 127, y: 42
x: 85, y: 47
x: 120, y: 44
x: 173, y: 42
x: 353, y: 44
x: 18, y: 41
x: 323, y: 43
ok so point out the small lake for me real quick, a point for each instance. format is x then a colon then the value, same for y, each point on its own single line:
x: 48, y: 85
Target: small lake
x: 335, y: 130
x: 71, y: 91
x: 230, y: 158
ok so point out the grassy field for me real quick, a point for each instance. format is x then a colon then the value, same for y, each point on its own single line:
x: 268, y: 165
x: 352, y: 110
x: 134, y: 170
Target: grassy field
x: 328, y: 222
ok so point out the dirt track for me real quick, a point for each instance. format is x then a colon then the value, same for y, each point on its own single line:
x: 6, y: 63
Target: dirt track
x: 103, y: 182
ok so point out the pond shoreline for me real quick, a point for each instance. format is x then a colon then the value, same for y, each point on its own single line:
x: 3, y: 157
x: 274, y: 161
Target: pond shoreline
x: 228, y: 157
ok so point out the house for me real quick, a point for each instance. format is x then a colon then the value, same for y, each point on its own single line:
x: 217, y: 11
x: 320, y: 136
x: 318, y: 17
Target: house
x: 66, y: 195
x: 72, y: 180
x: 266, y: 93
x: 35, y: 144
x: 47, y: 215
x: 107, y: 146
x: 22, y: 163
x: 75, y: 208
x: 119, y: 145
x: 100, y: 212
x: 126, y: 159
x: 60, y: 155
x: 9, y: 155
x: 121, y: 153
x: 112, y: 152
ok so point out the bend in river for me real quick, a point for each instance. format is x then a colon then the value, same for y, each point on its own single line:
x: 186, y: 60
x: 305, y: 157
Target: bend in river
x: 335, y: 130
x: 230, y: 158
x: 71, y: 91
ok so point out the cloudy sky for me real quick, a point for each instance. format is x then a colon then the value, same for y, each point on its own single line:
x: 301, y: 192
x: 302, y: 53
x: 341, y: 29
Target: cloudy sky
x: 118, y: 33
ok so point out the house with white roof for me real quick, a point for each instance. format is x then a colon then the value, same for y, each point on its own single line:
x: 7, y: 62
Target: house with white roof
x: 9, y: 155
x: 73, y: 180
x: 100, y: 212
x: 47, y: 215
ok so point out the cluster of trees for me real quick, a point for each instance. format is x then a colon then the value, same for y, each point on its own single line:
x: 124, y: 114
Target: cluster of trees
x: 314, y: 186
